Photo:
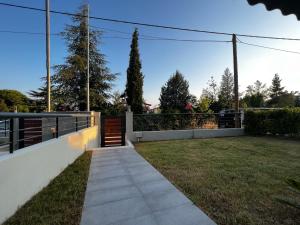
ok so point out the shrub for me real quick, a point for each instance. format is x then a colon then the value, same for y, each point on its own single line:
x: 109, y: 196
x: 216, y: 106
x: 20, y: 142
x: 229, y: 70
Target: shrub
x: 276, y: 122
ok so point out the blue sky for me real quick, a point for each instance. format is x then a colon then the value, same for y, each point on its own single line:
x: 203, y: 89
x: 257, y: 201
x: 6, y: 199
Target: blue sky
x: 22, y: 56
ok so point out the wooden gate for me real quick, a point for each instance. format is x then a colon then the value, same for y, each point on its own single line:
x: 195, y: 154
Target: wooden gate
x: 113, y: 129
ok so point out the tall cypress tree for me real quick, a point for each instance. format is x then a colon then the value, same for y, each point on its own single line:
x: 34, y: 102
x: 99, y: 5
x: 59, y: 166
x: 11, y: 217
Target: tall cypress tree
x: 70, y: 78
x: 135, y: 78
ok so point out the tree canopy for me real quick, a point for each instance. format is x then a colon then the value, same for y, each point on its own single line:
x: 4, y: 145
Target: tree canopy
x: 226, y: 94
x: 12, y: 99
x: 256, y: 95
x: 70, y: 79
x: 175, y: 94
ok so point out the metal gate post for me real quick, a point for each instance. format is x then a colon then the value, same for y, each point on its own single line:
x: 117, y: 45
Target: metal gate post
x: 102, y: 131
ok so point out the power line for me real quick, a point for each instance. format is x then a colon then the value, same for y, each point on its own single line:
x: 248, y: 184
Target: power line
x: 159, y: 38
x: 266, y: 47
x: 150, y: 25
x: 150, y: 38
x: 25, y: 32
x: 156, y: 38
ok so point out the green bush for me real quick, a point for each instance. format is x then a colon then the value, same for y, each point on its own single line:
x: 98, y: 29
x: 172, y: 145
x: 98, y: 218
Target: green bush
x: 276, y: 122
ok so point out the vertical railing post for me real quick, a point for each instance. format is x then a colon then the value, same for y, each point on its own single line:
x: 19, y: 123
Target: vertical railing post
x: 11, y: 135
x: 56, y: 127
x: 21, y: 133
x: 76, y: 123
x: 123, y: 129
x: 5, y: 127
x: 87, y: 122
x: 102, y: 131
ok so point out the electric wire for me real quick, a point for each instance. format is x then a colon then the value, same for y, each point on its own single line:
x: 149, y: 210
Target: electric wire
x: 148, y: 24
x: 267, y: 47
x: 147, y: 38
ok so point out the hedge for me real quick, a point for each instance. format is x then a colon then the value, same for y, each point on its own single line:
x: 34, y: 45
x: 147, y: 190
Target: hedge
x: 276, y: 122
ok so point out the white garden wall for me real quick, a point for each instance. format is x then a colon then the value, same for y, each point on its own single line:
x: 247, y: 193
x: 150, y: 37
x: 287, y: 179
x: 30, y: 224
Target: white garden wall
x: 135, y: 136
x: 185, y: 134
x: 25, y: 172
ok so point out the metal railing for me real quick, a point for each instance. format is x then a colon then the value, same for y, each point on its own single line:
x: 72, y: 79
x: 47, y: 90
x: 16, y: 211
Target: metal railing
x: 183, y: 121
x: 19, y: 130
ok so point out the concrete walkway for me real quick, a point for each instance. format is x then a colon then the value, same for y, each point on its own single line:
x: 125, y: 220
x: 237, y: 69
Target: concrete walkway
x: 124, y: 189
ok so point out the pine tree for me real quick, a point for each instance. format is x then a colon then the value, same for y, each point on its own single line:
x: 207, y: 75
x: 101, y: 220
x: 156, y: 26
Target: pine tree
x: 39, y: 97
x: 276, y: 90
x: 70, y: 78
x: 135, y: 78
x: 226, y: 89
x: 174, y: 94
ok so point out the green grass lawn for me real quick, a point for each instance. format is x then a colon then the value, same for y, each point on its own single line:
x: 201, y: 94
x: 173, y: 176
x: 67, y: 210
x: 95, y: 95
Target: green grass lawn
x: 234, y: 180
x: 61, y: 201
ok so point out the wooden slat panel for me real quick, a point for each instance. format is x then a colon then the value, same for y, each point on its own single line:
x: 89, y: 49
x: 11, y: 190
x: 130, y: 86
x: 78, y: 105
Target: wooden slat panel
x: 113, y: 131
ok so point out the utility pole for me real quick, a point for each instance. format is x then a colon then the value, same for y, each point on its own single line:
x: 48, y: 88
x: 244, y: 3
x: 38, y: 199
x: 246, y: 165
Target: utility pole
x: 236, y: 82
x: 88, y: 60
x: 48, y: 55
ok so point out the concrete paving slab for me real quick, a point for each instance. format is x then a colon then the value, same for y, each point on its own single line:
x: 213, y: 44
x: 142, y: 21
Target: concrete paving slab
x: 165, y: 200
x: 155, y: 186
x: 147, y: 177
x: 124, y: 189
x: 115, y: 211
x: 104, y: 169
x: 111, y: 173
x: 110, y: 195
x: 143, y: 220
x: 113, y: 182
x: 182, y: 215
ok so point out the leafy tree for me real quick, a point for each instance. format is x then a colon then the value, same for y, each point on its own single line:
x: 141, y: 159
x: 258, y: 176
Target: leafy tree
x: 226, y: 94
x: 211, y: 91
x: 203, y: 105
x: 256, y: 95
x: 14, y: 99
x: 135, y: 78
x: 70, y: 78
x: 175, y: 94
x: 118, y: 105
x: 3, y: 106
x: 297, y: 101
x: 287, y: 99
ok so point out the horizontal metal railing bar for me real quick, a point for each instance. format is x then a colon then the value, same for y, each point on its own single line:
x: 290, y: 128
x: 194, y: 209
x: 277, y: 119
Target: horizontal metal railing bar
x: 188, y: 114
x: 40, y: 115
x: 4, y: 131
x: 35, y: 131
x: 29, y: 138
x: 4, y: 144
x: 73, y: 128
x: 30, y: 128
x: 82, y: 126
